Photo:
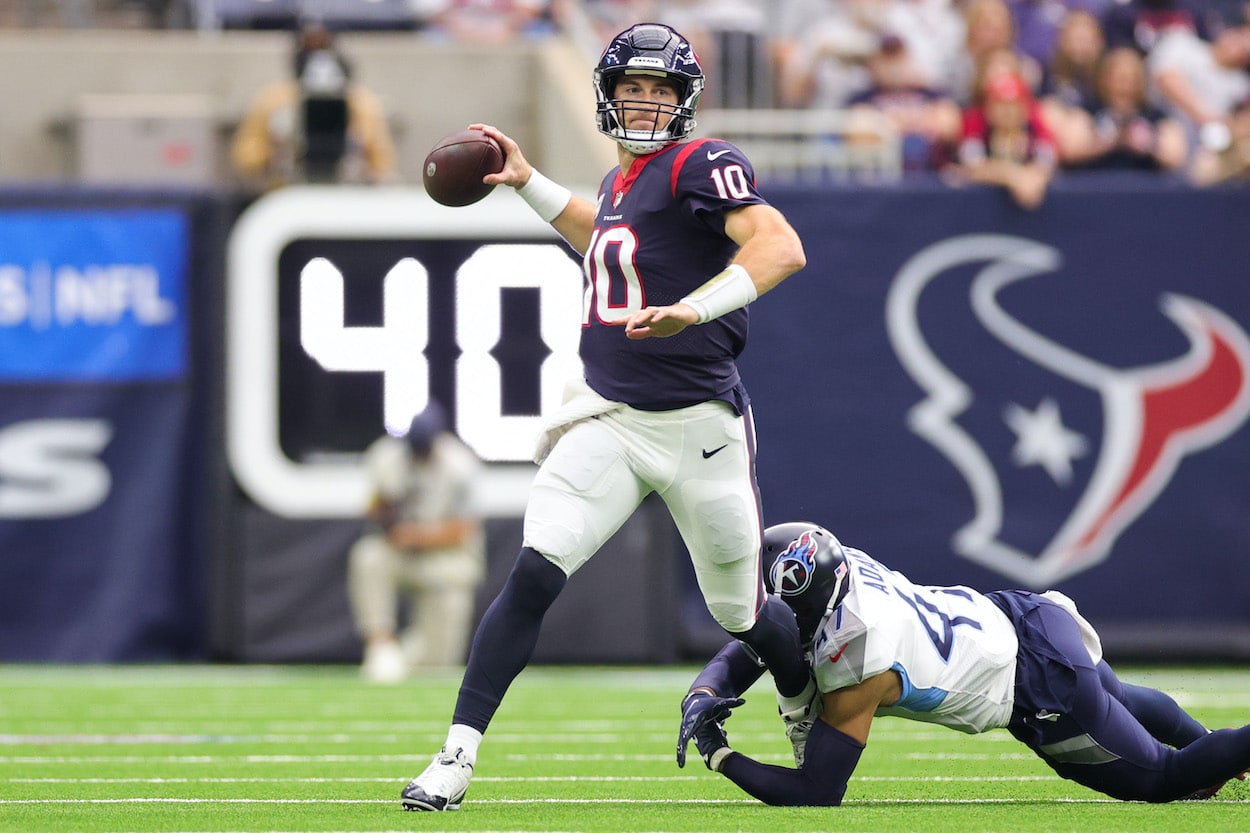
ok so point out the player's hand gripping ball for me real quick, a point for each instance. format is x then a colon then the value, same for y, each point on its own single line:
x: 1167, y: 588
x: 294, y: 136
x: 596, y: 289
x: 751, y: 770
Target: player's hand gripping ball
x: 455, y: 167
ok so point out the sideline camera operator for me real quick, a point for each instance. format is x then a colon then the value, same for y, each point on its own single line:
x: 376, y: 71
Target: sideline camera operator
x: 319, y: 126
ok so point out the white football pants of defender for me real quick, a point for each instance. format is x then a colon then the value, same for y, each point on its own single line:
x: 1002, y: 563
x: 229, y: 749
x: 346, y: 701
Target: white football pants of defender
x: 441, y: 586
x: 698, y: 459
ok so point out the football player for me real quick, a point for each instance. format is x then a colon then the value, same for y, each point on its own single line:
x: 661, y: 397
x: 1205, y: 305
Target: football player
x: 1026, y: 662
x: 675, y: 246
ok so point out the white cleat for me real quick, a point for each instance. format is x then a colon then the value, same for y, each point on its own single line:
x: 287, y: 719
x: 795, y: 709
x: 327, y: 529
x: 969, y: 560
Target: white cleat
x: 799, y: 722
x: 443, y: 784
x: 384, y: 664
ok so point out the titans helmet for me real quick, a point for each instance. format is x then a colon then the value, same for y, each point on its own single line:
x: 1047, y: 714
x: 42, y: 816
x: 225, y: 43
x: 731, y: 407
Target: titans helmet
x: 656, y: 50
x: 805, y: 565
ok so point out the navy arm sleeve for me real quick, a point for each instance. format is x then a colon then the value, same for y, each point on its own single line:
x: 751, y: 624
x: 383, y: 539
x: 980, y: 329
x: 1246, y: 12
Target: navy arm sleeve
x: 732, y: 671
x: 830, y: 759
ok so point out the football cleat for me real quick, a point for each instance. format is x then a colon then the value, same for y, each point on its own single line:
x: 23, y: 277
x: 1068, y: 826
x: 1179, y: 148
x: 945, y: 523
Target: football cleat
x: 384, y: 664
x: 443, y: 784
x: 799, y: 722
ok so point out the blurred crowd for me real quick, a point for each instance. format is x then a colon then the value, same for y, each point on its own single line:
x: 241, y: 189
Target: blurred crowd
x: 1006, y: 91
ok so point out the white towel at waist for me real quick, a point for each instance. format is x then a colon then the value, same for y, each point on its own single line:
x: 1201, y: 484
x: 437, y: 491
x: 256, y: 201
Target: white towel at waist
x: 580, y: 402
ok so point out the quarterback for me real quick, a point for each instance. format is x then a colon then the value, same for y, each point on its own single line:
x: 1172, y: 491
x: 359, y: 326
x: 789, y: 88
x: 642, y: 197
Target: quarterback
x: 676, y: 245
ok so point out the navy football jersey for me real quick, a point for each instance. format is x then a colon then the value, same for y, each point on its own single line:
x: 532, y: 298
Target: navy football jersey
x: 659, y: 235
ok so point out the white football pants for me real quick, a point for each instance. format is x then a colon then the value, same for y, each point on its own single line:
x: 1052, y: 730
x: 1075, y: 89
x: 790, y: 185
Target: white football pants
x: 700, y: 460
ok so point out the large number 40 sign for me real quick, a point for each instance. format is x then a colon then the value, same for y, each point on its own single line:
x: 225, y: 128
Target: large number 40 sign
x: 394, y: 347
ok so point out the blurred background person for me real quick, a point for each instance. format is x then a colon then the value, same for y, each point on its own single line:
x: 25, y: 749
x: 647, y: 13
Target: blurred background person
x: 1141, y: 23
x: 1124, y: 131
x: 1232, y: 162
x: 422, y: 540
x: 989, y: 32
x: 822, y: 47
x: 927, y: 120
x: 317, y: 126
x: 1071, y: 75
x: 1201, y: 82
x: 1069, y: 83
x: 1006, y: 142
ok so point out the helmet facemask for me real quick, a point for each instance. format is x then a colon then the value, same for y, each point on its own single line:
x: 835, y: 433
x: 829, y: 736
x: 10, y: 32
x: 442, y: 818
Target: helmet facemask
x: 655, y: 50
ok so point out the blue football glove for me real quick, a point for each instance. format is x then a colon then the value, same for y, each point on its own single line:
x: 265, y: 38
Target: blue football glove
x: 703, y: 718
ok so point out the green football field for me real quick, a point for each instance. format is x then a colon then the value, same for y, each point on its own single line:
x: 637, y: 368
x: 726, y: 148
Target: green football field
x: 213, y: 748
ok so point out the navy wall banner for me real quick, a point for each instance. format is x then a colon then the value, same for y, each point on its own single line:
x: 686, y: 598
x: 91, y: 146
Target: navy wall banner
x: 971, y: 392
x: 100, y: 428
x: 977, y: 394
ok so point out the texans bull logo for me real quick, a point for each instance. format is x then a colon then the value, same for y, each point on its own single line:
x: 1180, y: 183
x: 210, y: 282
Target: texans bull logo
x: 1083, y: 448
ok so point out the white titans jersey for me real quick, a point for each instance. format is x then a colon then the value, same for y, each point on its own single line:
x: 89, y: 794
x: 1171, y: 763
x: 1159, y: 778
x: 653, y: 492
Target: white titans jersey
x: 953, y: 648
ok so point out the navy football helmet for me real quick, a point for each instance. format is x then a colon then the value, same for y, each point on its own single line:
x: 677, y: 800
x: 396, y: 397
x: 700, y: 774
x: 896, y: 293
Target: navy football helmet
x: 805, y: 564
x: 425, y: 427
x: 648, y: 49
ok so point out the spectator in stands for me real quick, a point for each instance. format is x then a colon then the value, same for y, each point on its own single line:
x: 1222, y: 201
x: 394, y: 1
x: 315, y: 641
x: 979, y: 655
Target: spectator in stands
x: 421, y: 538
x: 316, y: 126
x: 1232, y: 162
x: 999, y: 60
x: 1069, y: 83
x: 933, y: 32
x: 822, y: 47
x: 1071, y: 75
x: 1006, y: 142
x: 1200, y: 82
x: 927, y: 121
x: 989, y: 32
x: 1140, y: 23
x: 1126, y: 132
x: 487, y: 22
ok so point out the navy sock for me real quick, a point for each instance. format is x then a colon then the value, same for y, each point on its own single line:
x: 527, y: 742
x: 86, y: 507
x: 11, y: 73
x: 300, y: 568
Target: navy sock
x: 731, y: 672
x: 506, y: 636
x: 775, y: 639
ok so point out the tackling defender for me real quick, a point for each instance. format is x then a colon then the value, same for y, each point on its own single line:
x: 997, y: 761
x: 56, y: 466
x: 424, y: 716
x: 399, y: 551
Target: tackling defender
x: 1011, y: 659
x: 678, y: 243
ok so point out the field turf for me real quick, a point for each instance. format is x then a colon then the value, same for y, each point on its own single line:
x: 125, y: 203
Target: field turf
x: 249, y: 749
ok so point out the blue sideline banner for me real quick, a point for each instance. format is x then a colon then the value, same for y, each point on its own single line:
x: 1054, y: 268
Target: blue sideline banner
x: 978, y: 394
x: 97, y: 418
x: 92, y: 295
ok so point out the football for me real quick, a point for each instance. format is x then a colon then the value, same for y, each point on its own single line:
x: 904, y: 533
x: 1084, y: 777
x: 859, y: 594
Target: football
x: 454, y: 168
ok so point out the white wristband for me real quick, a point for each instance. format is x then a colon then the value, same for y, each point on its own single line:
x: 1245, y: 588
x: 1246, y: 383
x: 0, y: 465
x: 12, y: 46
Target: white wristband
x: 727, y: 291
x: 717, y: 759
x: 547, y: 198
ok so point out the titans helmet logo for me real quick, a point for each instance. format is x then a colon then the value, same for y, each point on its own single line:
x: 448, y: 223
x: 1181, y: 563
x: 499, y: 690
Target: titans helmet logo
x: 793, y: 570
x: 1076, y: 447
